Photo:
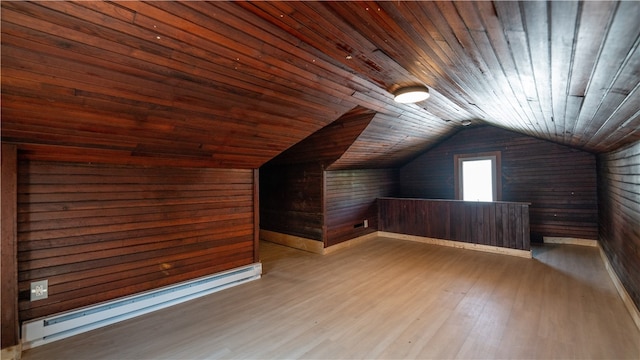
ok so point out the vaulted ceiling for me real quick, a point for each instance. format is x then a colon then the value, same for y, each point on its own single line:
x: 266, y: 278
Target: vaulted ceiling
x: 234, y: 84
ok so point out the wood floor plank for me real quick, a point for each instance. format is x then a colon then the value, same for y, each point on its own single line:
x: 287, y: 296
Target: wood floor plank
x: 386, y: 298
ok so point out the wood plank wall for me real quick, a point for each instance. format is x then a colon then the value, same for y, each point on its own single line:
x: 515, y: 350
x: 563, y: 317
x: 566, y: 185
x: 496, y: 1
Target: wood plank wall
x: 101, y: 231
x: 293, y: 187
x: 619, y: 214
x: 291, y: 200
x: 558, y: 181
x: 350, y: 197
x: 10, y: 334
x: 503, y: 224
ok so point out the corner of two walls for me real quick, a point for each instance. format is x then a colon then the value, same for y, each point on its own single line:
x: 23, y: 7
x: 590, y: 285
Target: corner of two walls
x: 351, y: 200
x: 291, y: 200
x: 306, y: 201
x: 619, y: 214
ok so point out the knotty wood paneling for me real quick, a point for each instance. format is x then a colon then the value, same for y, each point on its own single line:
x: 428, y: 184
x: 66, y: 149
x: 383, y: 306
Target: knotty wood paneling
x: 619, y: 214
x: 291, y: 200
x: 559, y: 182
x: 350, y: 198
x: 500, y: 224
x: 99, y: 231
x: 185, y: 93
x: 233, y: 84
x: 10, y: 334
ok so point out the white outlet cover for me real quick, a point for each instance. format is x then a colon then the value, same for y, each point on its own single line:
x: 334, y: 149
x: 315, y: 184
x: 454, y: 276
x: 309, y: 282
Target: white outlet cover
x: 39, y: 290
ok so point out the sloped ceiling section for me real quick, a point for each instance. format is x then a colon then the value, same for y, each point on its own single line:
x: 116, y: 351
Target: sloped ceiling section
x: 234, y: 84
x: 330, y: 143
x: 385, y: 143
x: 561, y: 71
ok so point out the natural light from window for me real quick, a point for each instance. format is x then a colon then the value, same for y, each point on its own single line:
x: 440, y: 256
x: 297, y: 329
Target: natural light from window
x: 477, y: 180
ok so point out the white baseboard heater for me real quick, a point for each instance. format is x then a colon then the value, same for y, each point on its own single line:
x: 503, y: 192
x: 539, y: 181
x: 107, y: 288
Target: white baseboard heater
x: 59, y: 326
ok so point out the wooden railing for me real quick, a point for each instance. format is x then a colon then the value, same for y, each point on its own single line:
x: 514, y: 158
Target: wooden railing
x: 502, y: 224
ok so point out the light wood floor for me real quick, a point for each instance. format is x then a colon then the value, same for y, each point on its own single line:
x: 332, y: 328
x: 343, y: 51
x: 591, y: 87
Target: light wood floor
x: 387, y: 299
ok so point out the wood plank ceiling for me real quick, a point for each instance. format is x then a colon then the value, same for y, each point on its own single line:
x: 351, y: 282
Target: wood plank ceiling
x: 233, y: 84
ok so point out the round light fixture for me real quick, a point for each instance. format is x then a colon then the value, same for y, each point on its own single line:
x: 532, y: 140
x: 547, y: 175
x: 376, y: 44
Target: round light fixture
x: 411, y: 94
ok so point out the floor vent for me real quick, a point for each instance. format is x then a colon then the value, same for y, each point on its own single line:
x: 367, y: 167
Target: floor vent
x: 59, y: 326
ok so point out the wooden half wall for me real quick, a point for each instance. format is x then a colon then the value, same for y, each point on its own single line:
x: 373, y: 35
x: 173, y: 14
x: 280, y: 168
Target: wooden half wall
x: 619, y: 203
x: 499, y: 224
x: 100, y: 231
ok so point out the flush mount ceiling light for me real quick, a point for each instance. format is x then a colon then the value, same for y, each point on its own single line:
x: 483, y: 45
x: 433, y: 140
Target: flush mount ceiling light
x: 411, y: 94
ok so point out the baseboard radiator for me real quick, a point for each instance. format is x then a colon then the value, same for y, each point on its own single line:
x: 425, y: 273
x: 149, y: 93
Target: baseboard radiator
x: 55, y: 327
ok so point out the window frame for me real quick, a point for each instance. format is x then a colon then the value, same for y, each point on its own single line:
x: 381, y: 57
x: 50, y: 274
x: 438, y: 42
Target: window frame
x: 496, y: 172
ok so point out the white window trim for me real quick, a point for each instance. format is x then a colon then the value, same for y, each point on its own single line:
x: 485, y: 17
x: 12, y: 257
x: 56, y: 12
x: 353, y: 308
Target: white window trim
x: 496, y: 172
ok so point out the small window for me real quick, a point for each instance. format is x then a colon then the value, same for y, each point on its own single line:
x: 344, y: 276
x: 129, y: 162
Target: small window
x: 477, y: 177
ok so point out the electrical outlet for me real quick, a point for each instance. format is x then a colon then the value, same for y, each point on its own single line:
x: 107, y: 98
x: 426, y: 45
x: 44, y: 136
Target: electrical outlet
x: 39, y: 290
x: 366, y: 223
